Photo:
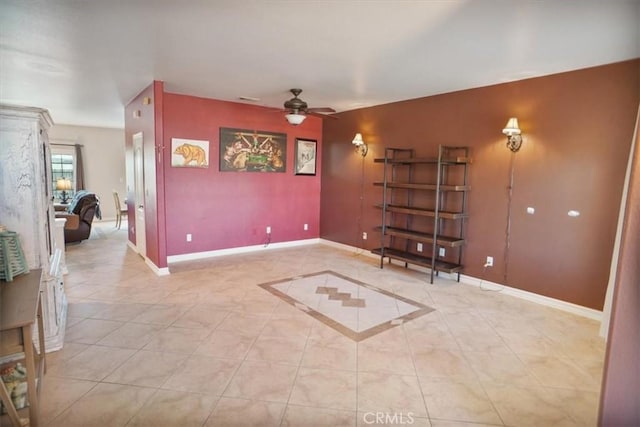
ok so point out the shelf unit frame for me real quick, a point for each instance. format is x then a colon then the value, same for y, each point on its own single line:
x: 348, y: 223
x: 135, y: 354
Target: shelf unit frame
x: 448, y: 157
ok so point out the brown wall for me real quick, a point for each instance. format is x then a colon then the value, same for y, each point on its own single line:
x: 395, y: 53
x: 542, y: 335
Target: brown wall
x: 620, y: 400
x: 577, y: 129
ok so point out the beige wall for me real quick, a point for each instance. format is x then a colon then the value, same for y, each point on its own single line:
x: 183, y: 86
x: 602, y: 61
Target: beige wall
x: 104, y: 165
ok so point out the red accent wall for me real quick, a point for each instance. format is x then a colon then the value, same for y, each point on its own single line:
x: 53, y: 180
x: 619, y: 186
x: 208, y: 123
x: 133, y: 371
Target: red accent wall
x: 577, y: 129
x: 232, y: 209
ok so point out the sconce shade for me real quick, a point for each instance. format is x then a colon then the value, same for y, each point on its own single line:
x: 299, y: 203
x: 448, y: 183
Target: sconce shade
x: 295, y: 119
x: 361, y: 146
x: 512, y: 127
x: 63, y: 184
x: 514, y: 139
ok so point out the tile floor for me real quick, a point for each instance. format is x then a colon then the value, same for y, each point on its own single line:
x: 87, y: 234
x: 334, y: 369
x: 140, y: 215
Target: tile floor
x: 207, y: 346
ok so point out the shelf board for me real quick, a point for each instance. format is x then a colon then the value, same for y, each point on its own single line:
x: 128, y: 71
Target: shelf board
x: 460, y: 160
x: 418, y: 186
x: 423, y: 212
x: 444, y: 266
x: 418, y: 236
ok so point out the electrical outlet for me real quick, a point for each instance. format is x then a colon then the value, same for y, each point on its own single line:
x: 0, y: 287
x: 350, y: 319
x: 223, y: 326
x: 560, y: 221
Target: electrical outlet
x: 489, y: 262
x: 441, y: 252
x: 268, y: 230
x: 188, y: 237
x: 419, y: 247
x: 305, y: 227
x: 364, y: 235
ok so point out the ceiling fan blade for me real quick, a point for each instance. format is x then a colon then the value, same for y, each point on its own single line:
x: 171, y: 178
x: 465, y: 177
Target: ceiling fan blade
x: 321, y: 110
x: 323, y: 116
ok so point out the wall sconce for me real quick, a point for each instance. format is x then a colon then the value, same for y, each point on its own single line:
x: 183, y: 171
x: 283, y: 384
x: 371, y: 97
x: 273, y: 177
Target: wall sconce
x: 361, y: 146
x: 513, y: 132
x: 63, y: 184
x: 295, y: 118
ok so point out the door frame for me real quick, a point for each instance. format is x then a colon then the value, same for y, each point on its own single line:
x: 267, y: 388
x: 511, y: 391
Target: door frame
x: 139, y: 193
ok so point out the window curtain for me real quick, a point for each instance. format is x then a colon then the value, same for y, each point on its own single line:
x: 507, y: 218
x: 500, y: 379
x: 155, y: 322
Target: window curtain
x: 79, y: 168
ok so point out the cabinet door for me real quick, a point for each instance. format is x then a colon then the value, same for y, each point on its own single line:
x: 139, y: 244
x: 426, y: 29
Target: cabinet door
x: 50, y: 306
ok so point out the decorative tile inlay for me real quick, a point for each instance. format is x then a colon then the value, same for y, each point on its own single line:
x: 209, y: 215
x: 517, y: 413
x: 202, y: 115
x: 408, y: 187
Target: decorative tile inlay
x: 345, y: 297
x: 353, y: 308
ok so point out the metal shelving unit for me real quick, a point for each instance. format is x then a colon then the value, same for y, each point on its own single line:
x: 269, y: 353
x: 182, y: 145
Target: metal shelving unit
x: 424, y: 203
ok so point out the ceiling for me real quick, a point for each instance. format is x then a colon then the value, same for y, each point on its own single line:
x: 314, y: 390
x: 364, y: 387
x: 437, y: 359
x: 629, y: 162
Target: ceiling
x: 84, y: 60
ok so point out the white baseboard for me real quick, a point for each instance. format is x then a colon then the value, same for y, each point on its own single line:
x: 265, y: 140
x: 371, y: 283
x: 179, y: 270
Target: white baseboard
x: 468, y: 280
x: 164, y: 271
x: 240, y: 250
x: 157, y: 270
x: 587, y: 312
x: 353, y: 249
x: 507, y: 290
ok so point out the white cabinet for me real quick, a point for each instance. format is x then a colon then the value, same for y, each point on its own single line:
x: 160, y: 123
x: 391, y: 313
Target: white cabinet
x: 26, y: 206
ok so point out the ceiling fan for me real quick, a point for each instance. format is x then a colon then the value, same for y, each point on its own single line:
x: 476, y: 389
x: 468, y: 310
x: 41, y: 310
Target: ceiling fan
x: 297, y: 109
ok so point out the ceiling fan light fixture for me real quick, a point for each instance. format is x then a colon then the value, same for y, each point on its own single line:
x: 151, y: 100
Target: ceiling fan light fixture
x: 295, y: 119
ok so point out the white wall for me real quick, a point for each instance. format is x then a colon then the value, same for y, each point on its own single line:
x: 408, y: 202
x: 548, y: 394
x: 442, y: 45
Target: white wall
x: 103, y: 157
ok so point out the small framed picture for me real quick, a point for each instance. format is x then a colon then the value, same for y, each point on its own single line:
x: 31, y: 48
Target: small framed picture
x: 306, y: 151
x: 189, y: 153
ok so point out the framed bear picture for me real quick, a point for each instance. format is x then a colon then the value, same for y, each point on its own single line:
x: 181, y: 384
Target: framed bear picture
x: 189, y: 153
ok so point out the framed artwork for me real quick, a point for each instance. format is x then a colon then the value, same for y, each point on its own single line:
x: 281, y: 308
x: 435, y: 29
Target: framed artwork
x: 306, y: 151
x: 189, y: 153
x: 244, y: 150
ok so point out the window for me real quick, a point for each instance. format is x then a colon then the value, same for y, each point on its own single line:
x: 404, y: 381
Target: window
x: 63, y: 165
